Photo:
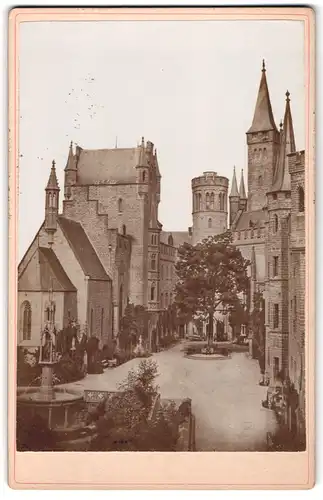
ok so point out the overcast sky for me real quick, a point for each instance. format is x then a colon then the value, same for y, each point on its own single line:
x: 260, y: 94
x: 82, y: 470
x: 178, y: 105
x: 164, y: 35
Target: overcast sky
x: 189, y: 87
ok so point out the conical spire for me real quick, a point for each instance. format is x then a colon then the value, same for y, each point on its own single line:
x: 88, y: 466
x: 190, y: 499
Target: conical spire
x: 263, y: 118
x: 70, y: 164
x: 242, y: 189
x: 142, y: 156
x: 52, y: 183
x: 234, y: 187
x: 287, y: 145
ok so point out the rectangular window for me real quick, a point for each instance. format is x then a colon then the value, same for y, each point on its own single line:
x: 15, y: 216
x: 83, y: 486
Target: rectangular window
x: 276, y: 315
x: 275, y: 266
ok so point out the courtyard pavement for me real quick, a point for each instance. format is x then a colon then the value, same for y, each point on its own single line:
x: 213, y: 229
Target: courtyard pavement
x: 226, y: 397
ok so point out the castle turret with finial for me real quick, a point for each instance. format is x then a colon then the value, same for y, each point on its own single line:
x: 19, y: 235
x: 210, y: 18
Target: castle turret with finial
x: 70, y: 173
x: 51, y: 203
x: 263, y: 146
x: 242, y: 193
x: 234, y: 198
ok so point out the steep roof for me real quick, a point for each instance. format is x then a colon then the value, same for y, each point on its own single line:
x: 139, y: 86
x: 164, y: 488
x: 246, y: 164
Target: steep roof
x: 83, y: 249
x: 234, y: 188
x: 52, y: 181
x: 281, y: 180
x: 52, y: 273
x: 110, y: 166
x: 256, y: 218
x: 263, y: 118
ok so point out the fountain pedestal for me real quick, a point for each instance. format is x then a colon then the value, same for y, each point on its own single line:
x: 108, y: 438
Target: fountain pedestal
x: 46, y: 390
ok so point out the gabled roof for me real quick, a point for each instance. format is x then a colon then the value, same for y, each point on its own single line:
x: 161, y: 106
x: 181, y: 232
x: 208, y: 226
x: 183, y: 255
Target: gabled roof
x: 52, y: 274
x: 179, y: 237
x: 110, y: 166
x: 263, y: 118
x: 281, y: 181
x: 83, y: 249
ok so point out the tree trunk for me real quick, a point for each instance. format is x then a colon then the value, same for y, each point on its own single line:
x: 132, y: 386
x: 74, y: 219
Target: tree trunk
x: 210, y: 332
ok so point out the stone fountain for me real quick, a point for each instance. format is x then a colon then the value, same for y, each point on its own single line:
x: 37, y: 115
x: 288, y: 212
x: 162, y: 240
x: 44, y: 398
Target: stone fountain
x: 56, y: 405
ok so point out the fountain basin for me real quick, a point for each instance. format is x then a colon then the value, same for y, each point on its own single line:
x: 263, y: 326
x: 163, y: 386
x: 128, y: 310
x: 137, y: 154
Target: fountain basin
x: 60, y: 411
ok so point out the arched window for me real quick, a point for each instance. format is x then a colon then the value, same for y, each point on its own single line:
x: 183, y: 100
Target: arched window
x: 199, y: 203
x: 260, y: 180
x: 171, y: 297
x: 275, y: 223
x: 209, y: 223
x: 265, y: 154
x: 170, y: 240
x: 161, y: 300
x: 26, y: 320
x: 124, y: 230
x: 221, y: 201
x: 152, y: 292
x: 212, y: 201
x: 144, y: 176
x: 120, y: 205
x: 207, y: 201
x: 54, y: 200
x: 153, y: 261
x: 301, y: 200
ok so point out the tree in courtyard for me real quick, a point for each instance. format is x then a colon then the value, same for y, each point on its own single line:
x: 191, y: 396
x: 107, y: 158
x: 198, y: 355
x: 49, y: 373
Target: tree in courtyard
x: 257, y: 324
x: 133, y: 324
x: 212, y: 273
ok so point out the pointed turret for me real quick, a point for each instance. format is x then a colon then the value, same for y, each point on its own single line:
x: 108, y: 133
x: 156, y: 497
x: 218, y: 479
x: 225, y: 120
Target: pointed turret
x: 234, y: 198
x: 281, y: 181
x: 242, y: 193
x: 51, y: 203
x: 263, y: 119
x: 234, y: 188
x: 142, y: 162
x: 52, y: 184
x: 70, y: 172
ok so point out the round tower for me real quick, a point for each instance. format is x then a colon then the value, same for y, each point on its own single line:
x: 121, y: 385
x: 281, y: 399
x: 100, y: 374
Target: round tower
x: 210, y: 205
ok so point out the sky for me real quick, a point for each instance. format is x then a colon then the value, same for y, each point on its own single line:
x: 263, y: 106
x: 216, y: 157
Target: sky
x: 190, y: 87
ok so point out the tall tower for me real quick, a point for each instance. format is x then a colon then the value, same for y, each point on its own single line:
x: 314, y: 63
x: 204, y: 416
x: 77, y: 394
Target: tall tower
x: 51, y: 203
x: 263, y: 146
x: 234, y: 198
x: 210, y: 205
x: 277, y: 285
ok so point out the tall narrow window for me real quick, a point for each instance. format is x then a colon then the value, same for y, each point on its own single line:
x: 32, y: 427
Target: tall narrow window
x: 276, y: 315
x: 54, y: 200
x: 275, y: 223
x: 301, y: 201
x: 120, y: 205
x: 295, y: 313
x: 166, y: 300
x: 209, y: 223
x: 124, y: 230
x: 275, y: 266
x: 260, y: 180
x: 162, y: 300
x: 199, y: 205
x: 152, y: 292
x: 144, y: 176
x: 212, y: 201
x: 162, y: 272
x: 26, y: 320
x: 276, y: 367
x: 153, y: 261
x: 120, y: 302
x: 207, y: 201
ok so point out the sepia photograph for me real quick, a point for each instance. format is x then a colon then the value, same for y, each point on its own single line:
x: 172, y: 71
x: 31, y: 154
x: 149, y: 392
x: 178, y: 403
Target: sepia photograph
x: 161, y: 236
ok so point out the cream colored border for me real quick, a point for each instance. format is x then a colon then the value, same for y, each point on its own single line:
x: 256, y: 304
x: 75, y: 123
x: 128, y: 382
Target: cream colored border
x: 162, y: 470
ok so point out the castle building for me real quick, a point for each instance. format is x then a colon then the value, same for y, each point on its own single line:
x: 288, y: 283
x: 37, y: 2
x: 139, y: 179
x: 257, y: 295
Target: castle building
x: 108, y: 247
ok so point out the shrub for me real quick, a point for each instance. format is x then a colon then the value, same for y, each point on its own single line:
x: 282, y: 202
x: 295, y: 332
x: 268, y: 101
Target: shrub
x: 33, y: 434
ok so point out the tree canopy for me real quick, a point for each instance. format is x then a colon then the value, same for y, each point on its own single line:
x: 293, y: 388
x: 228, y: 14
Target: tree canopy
x: 212, y: 273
